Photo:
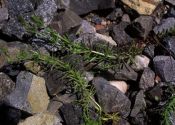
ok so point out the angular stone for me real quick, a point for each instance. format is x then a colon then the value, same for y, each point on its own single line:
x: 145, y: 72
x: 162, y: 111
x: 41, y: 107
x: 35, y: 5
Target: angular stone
x: 169, y: 44
x: 165, y: 26
x: 165, y: 67
x: 32, y: 66
x: 149, y: 51
x: 3, y: 59
x: 41, y: 119
x: 110, y: 98
x: 116, y: 14
x: 140, y: 27
x: 85, y: 6
x: 140, y: 62
x: 139, y: 104
x: 172, y: 2
x: 68, y: 110
x: 145, y: 7
x: 126, y: 73
x: 119, y: 34
x: 7, y: 86
x: 147, y: 79
x: 30, y: 94
x: 3, y: 14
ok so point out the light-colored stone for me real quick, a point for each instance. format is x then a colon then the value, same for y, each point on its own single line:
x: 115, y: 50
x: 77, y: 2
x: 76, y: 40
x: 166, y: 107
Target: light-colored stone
x: 121, y: 85
x: 106, y: 39
x: 32, y: 66
x: 41, y: 119
x: 140, y: 62
x: 37, y: 96
x: 145, y: 7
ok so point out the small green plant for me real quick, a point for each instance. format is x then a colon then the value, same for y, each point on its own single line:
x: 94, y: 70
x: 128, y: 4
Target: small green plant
x: 168, y: 109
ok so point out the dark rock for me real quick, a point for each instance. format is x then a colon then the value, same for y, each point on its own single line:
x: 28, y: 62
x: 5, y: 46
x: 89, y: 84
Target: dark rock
x: 84, y: 6
x: 139, y: 104
x: 116, y: 14
x: 121, y: 122
x: 96, y: 20
x: 147, y: 79
x: 126, y: 18
x: 72, y: 114
x: 119, y: 34
x: 140, y: 119
x: 140, y: 27
x: 3, y: 14
x: 169, y: 44
x: 110, y: 98
x: 149, y: 51
x: 126, y: 73
x: 165, y: 26
x: 18, y: 97
x: 172, y: 2
x: 6, y: 86
x: 165, y: 67
x: 55, y: 82
x: 69, y: 20
x: 155, y: 94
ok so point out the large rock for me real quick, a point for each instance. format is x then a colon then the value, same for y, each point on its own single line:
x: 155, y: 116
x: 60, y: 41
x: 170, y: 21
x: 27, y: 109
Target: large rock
x: 140, y: 27
x: 6, y: 86
x: 172, y: 2
x: 84, y: 6
x: 169, y: 43
x: 30, y: 94
x: 119, y: 34
x: 3, y: 13
x: 110, y: 98
x: 141, y: 6
x: 41, y: 119
x: 147, y: 79
x: 165, y: 67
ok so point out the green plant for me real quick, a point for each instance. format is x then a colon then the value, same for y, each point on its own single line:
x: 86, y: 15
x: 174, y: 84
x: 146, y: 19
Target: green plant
x: 168, y: 109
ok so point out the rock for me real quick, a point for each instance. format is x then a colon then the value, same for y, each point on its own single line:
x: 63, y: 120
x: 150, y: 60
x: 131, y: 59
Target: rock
x: 121, y: 85
x: 32, y: 66
x: 85, y: 27
x: 121, y: 122
x: 46, y: 10
x: 172, y: 2
x: 68, y: 110
x: 140, y: 27
x: 82, y: 7
x: 126, y: 18
x: 165, y: 67
x: 3, y: 59
x: 30, y: 94
x: 55, y: 82
x: 155, y: 94
x: 7, y: 86
x: 3, y: 14
x: 169, y: 44
x: 139, y: 119
x: 115, y: 14
x: 139, y: 104
x: 58, y: 101
x: 88, y: 76
x: 69, y: 20
x: 149, y: 51
x: 140, y: 62
x: 41, y: 119
x: 96, y: 19
x: 141, y: 6
x: 110, y: 98
x: 119, y: 34
x: 125, y: 73
x: 147, y: 79
x: 106, y: 39
x: 165, y: 26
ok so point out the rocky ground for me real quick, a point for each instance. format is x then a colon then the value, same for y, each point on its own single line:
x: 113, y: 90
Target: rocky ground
x: 82, y: 62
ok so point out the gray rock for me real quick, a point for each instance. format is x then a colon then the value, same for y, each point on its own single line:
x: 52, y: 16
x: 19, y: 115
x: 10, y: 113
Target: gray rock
x: 165, y: 26
x: 29, y: 88
x: 126, y: 73
x: 172, y: 2
x: 3, y: 59
x: 149, y: 51
x: 165, y: 67
x: 119, y: 34
x: 116, y: 14
x: 46, y: 9
x: 169, y: 44
x: 139, y: 104
x: 140, y: 27
x: 7, y: 86
x: 110, y: 98
x: 69, y: 20
x: 147, y: 79
x: 68, y: 110
x: 3, y: 15
x: 84, y: 6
